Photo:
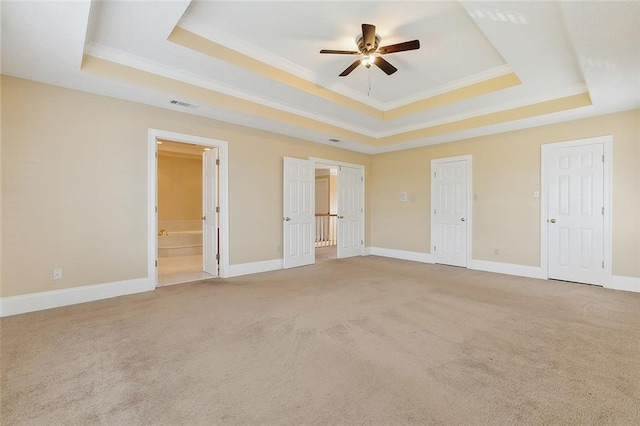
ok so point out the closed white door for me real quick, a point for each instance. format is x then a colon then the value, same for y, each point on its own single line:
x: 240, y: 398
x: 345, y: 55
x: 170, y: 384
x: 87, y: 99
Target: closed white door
x: 210, y: 211
x: 575, y: 218
x: 449, y: 214
x: 350, y: 211
x: 299, y: 213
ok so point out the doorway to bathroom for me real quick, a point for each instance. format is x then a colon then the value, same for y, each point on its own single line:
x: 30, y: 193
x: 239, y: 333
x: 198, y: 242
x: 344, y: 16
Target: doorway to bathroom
x: 188, y: 239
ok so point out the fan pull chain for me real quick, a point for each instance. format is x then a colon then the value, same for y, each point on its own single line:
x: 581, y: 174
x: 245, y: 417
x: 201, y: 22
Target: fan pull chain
x: 369, y: 91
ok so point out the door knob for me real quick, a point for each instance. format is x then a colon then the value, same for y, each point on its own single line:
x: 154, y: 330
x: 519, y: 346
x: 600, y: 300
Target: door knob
x: 287, y: 218
x: 462, y: 219
x: 552, y: 220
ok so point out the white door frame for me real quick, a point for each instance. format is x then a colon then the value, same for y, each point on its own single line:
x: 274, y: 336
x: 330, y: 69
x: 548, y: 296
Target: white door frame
x: 324, y: 161
x: 469, y: 159
x: 607, y: 142
x: 152, y: 197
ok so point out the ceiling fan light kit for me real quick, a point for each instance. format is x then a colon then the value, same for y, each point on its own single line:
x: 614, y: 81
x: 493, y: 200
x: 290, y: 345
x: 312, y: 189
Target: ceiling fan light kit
x: 370, y: 53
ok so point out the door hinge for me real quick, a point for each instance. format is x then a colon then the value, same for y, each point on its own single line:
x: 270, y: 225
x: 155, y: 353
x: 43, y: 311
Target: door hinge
x: 217, y: 209
x: 603, y: 263
x: 361, y: 210
x: 434, y: 211
x: 603, y: 158
x: 156, y: 154
x: 434, y: 248
x: 361, y: 178
x: 156, y: 209
x: 603, y: 211
x: 217, y: 161
x: 156, y: 263
x: 434, y: 174
x: 361, y: 242
x: 218, y: 257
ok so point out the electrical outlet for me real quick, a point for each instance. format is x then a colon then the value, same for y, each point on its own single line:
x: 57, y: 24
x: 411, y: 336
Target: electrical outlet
x: 57, y: 273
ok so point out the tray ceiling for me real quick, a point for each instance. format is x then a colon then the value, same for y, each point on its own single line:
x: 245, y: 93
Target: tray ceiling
x: 483, y: 67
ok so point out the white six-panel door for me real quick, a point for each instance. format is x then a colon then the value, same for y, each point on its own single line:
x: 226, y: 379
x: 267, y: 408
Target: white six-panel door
x: 299, y: 213
x: 210, y: 214
x: 350, y: 212
x: 575, y: 218
x: 449, y: 213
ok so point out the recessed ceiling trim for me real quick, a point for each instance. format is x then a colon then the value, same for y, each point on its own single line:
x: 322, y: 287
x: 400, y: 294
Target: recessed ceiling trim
x: 138, y: 63
x: 490, y: 109
x: 112, y: 70
x: 477, y: 89
x: 463, y: 89
x: 526, y: 111
x: 449, y: 87
x: 200, y: 44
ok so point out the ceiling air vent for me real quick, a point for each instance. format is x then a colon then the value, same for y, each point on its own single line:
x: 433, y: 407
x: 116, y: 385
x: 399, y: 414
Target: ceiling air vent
x: 185, y: 104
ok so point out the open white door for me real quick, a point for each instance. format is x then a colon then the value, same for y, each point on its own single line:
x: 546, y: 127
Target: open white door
x: 210, y: 211
x: 575, y: 179
x: 298, y: 213
x: 449, y: 214
x: 350, y: 212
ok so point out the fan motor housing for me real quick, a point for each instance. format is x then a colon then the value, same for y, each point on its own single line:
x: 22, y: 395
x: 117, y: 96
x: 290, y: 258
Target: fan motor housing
x: 363, y: 49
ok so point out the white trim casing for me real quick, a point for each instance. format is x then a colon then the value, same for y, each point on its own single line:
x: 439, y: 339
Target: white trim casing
x: 152, y: 202
x: 469, y: 159
x: 152, y: 229
x: 317, y: 160
x: 413, y: 256
x: 507, y: 268
x: 617, y: 282
x: 607, y: 142
x: 14, y: 305
x: 254, y: 267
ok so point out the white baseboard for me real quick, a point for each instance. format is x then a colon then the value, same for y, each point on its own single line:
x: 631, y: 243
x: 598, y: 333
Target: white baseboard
x: 619, y: 282
x: 507, y: 269
x: 14, y: 305
x: 399, y: 254
x: 254, y: 267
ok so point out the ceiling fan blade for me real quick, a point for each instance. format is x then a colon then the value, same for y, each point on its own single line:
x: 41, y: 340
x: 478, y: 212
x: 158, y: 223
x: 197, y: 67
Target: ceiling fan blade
x: 351, y: 67
x: 369, y: 36
x: 340, y: 52
x: 385, y: 66
x: 400, y: 47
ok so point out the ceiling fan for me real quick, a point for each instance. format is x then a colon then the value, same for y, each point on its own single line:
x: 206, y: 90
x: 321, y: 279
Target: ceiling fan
x: 371, y: 54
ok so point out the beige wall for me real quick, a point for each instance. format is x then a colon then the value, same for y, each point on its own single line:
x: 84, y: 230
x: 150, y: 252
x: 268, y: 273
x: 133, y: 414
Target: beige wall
x: 74, y: 185
x: 179, y: 186
x: 506, y: 171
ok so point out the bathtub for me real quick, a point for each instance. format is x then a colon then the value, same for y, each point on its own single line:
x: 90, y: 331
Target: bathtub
x: 180, y: 239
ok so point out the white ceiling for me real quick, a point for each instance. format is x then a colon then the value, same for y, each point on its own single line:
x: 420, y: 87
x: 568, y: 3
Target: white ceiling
x: 555, y: 49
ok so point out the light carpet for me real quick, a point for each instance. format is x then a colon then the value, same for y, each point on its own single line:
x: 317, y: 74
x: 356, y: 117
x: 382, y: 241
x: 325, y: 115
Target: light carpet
x: 347, y: 342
